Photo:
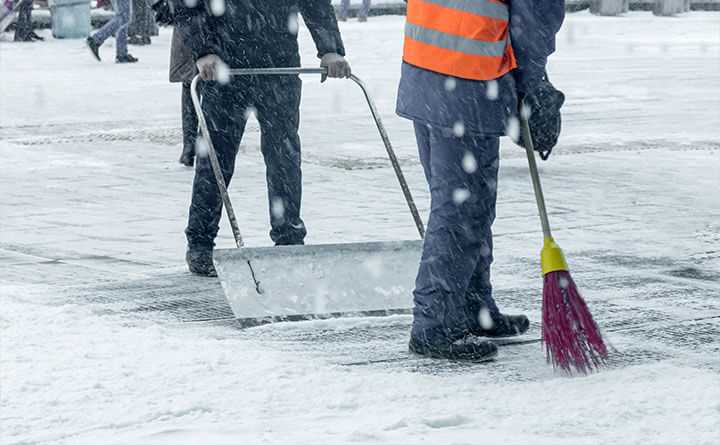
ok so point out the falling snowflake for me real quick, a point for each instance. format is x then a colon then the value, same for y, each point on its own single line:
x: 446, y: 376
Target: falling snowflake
x: 277, y: 208
x: 293, y: 24
x: 492, y: 91
x: 486, y: 321
x: 513, y: 128
x: 222, y: 73
x: 460, y: 195
x: 525, y: 112
x: 217, y: 7
x: 250, y: 112
x: 563, y: 283
x: 201, y: 147
x: 450, y: 84
x: 459, y: 129
x: 469, y: 163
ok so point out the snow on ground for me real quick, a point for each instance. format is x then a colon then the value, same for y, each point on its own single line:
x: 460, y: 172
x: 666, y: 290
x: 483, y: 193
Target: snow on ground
x: 95, y: 343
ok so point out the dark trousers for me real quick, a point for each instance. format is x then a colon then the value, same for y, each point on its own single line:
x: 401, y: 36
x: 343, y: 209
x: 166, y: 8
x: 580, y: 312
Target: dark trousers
x: 277, y: 104
x: 23, y: 27
x: 189, y: 119
x: 453, y: 281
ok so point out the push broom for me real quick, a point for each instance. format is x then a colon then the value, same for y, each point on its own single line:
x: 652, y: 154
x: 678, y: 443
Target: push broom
x: 572, y: 340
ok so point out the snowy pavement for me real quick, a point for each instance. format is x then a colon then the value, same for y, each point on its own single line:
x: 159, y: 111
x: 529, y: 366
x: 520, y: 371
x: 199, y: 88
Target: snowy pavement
x: 104, y: 338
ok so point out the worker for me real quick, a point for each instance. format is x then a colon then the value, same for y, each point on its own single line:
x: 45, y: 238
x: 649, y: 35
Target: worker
x: 252, y: 34
x: 466, y: 67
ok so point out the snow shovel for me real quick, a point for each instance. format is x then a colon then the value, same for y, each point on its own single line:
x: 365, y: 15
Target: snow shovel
x: 293, y: 283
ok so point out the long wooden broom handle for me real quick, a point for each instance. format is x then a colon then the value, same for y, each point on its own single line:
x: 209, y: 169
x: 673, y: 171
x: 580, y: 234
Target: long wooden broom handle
x: 535, y: 176
x: 215, y: 164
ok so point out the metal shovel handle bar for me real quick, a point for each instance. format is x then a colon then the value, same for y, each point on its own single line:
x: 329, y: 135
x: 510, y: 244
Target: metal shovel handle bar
x: 215, y: 163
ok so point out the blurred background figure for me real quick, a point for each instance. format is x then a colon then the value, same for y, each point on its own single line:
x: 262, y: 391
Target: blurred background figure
x: 118, y: 25
x: 362, y: 13
x: 182, y: 69
x: 142, y: 25
x: 23, y: 28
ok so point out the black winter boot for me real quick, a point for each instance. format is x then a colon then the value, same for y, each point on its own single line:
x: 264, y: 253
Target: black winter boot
x: 436, y: 344
x: 200, y: 262
x: 503, y: 326
x: 94, y: 47
x: 127, y: 58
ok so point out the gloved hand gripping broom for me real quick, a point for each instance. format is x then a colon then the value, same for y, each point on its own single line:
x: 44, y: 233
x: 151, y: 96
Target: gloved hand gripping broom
x: 572, y: 339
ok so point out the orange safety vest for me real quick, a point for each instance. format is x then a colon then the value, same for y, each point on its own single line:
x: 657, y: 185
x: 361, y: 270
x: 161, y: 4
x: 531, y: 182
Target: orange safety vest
x: 469, y: 39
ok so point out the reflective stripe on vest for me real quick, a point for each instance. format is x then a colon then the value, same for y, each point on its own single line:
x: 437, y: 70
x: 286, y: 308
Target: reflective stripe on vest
x: 462, y: 38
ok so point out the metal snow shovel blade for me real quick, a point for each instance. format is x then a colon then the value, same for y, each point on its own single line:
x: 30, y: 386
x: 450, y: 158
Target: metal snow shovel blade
x: 291, y: 283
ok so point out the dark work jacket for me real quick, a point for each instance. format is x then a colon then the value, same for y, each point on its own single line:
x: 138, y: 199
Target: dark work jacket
x: 256, y: 33
x: 483, y: 107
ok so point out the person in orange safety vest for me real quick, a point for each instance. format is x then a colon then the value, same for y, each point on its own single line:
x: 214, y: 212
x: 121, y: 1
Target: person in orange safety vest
x: 466, y: 64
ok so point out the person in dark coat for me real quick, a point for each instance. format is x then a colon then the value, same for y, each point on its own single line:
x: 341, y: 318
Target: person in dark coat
x: 458, y: 122
x: 253, y: 34
x: 142, y: 25
x: 24, y: 27
x: 182, y: 69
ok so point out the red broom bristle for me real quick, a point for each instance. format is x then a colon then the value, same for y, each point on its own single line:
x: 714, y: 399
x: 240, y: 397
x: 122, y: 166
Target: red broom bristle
x: 572, y: 339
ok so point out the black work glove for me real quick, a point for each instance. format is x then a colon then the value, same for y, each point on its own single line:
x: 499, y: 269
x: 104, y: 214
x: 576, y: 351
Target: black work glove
x: 541, y: 107
x: 163, y: 13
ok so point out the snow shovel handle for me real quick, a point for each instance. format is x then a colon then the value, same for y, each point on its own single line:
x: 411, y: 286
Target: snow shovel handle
x: 535, y: 176
x: 215, y: 164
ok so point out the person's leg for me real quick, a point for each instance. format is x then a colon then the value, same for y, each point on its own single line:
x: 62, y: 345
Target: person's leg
x: 222, y: 106
x: 364, y: 11
x: 278, y: 112
x: 344, y: 6
x: 23, y: 26
x: 124, y: 11
x: 109, y: 28
x: 189, y: 126
x: 458, y: 235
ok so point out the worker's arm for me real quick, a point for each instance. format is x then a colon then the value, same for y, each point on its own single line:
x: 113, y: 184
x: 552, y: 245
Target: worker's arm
x: 197, y: 27
x: 319, y: 17
x: 533, y: 25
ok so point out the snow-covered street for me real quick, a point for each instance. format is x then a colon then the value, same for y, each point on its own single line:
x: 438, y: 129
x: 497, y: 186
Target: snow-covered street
x: 105, y: 338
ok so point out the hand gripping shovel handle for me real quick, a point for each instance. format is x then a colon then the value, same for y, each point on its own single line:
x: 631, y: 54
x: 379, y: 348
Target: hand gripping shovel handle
x: 215, y: 164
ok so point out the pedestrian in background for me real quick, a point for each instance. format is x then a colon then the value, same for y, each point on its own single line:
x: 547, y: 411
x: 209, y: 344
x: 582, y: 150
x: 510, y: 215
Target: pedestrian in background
x: 142, y: 25
x: 182, y: 69
x: 24, y: 28
x: 118, y: 25
x: 362, y: 13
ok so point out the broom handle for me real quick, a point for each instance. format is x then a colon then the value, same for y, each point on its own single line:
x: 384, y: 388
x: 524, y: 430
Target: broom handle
x: 535, y: 176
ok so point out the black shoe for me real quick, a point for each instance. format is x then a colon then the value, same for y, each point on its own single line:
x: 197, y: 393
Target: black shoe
x: 200, y: 262
x: 470, y: 347
x: 35, y: 37
x: 94, y: 47
x: 187, y: 157
x: 128, y: 58
x: 22, y: 38
x: 138, y: 40
x: 504, y: 326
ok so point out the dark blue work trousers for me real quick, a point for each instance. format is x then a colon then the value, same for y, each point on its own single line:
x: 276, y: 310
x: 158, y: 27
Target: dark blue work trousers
x: 453, y: 281
x: 276, y: 102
